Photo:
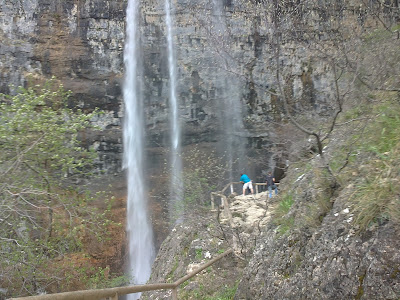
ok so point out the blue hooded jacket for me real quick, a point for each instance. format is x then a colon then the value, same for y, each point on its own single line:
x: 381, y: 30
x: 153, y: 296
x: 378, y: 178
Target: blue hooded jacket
x: 244, y: 178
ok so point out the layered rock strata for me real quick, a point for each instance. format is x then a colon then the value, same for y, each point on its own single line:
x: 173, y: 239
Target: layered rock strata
x: 81, y: 43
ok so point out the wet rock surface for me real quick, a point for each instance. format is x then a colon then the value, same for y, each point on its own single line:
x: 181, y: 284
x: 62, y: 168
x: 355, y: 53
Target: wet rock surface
x: 82, y: 43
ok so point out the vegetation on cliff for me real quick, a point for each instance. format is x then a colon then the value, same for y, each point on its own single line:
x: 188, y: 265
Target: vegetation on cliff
x: 45, y: 222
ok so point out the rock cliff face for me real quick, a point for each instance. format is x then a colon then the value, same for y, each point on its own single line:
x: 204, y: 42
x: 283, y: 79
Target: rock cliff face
x: 315, y: 255
x: 331, y: 261
x: 78, y: 42
x: 223, y: 61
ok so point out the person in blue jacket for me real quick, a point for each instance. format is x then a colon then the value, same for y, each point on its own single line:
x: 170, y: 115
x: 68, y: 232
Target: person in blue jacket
x: 247, y: 183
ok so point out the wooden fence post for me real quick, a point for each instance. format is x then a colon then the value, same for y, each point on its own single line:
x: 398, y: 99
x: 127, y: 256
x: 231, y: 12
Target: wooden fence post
x: 175, y: 293
x: 228, y: 214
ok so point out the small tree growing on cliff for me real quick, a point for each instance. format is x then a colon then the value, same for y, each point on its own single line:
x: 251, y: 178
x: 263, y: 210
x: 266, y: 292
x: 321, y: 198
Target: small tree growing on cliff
x: 41, y: 218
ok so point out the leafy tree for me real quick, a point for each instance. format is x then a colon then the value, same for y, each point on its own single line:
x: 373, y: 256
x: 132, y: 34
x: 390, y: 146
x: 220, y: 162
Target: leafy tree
x: 41, y: 216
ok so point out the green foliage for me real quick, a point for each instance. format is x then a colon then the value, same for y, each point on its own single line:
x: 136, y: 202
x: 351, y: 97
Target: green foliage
x: 171, y: 274
x: 317, y: 211
x: 384, y: 134
x: 41, y: 218
x: 281, y: 219
x: 39, y: 132
x: 321, y: 203
x: 99, y: 278
x: 376, y: 202
x: 339, y: 158
x: 285, y: 224
x: 226, y: 292
x: 311, y: 209
x: 375, y: 199
x: 376, y: 36
x: 202, y: 172
x: 284, y: 205
x: 199, y: 254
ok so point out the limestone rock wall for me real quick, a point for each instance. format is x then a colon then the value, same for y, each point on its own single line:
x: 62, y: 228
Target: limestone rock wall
x: 78, y: 42
x: 220, y: 76
x: 330, y: 261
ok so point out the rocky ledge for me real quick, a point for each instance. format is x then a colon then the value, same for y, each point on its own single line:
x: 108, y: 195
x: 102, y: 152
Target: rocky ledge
x: 330, y: 260
x: 204, y: 235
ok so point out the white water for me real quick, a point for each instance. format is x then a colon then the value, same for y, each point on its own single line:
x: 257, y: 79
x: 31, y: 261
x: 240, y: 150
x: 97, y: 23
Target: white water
x: 176, y: 193
x: 228, y: 96
x: 141, y: 248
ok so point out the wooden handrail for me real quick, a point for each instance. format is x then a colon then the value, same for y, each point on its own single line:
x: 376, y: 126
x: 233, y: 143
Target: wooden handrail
x: 119, y: 291
x: 222, y: 192
x: 232, y: 183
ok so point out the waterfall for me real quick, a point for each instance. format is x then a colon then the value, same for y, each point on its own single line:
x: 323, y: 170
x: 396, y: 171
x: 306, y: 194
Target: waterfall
x: 139, y: 230
x: 228, y: 95
x: 176, y: 192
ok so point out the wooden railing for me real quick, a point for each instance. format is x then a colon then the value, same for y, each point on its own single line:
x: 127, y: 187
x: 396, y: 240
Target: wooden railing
x: 230, y: 185
x: 113, y: 293
x: 225, y: 205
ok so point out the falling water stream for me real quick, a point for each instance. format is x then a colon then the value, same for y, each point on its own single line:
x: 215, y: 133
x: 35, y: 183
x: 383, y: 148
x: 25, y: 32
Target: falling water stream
x: 228, y: 96
x: 140, y: 235
x: 141, y: 248
x: 176, y: 193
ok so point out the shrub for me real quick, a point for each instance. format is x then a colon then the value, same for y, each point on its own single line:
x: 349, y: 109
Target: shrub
x: 376, y: 198
x: 281, y: 219
x: 42, y: 216
x: 284, y: 205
